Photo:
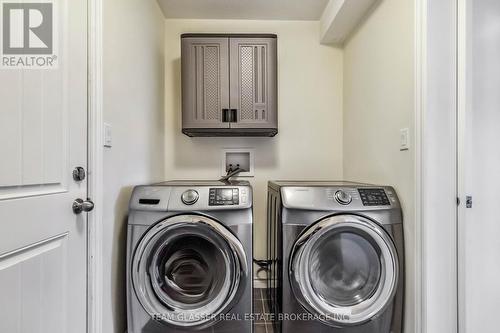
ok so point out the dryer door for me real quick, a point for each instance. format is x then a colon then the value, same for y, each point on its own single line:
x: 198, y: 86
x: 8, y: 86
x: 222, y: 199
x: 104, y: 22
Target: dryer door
x: 188, y: 270
x: 344, y: 270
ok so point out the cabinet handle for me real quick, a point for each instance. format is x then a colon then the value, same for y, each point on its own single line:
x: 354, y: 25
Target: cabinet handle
x: 234, y: 117
x: 225, y: 116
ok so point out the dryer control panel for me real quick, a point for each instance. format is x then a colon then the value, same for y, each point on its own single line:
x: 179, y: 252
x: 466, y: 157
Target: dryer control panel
x: 224, y: 196
x: 321, y: 196
x: 373, y: 197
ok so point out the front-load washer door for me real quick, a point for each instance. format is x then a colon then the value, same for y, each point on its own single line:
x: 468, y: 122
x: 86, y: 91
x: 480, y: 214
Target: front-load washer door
x: 344, y: 270
x: 188, y: 270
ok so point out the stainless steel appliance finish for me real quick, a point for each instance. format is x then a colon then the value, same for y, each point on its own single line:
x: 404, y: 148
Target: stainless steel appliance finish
x: 337, y: 257
x: 189, y: 257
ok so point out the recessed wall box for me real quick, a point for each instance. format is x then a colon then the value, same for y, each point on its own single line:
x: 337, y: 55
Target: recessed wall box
x: 233, y: 158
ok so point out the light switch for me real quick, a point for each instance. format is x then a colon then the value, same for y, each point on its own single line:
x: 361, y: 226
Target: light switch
x: 108, y: 136
x: 404, y: 139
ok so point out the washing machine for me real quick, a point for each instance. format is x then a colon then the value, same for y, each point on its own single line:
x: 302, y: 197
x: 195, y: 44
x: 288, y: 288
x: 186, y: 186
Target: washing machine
x: 189, y: 257
x: 336, y: 255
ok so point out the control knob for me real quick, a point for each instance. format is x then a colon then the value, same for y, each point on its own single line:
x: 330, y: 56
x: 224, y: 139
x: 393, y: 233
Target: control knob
x: 343, y: 197
x: 190, y: 197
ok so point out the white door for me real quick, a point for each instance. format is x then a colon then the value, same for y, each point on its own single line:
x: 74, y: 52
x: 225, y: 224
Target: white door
x: 479, y: 164
x: 43, y: 128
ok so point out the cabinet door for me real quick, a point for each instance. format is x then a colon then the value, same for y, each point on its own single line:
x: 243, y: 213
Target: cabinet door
x: 205, y: 82
x: 253, y: 77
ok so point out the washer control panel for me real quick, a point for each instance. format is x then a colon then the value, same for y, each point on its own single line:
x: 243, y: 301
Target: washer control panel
x: 373, y: 197
x: 224, y: 196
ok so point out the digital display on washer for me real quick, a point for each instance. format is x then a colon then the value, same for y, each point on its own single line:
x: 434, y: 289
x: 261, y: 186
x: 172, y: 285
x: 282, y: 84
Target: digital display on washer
x: 373, y: 197
x: 223, y: 197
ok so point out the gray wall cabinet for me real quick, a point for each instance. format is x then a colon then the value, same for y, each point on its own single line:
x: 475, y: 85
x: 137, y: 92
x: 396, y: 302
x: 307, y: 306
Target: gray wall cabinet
x: 229, y: 85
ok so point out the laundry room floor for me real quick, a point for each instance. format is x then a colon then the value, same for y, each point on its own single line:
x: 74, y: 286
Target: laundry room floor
x: 261, y: 310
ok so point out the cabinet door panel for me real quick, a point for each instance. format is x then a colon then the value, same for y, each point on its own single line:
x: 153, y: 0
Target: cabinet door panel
x: 253, y: 77
x: 205, y: 82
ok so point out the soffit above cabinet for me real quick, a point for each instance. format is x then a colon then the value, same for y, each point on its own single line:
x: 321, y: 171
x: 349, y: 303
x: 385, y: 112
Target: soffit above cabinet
x: 308, y: 10
x: 341, y: 17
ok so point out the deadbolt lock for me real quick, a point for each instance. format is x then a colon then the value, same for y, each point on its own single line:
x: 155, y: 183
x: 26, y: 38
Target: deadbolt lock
x: 79, y: 174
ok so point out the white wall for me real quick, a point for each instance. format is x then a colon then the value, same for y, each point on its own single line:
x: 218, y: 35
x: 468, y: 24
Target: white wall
x: 378, y: 102
x: 133, y: 104
x: 309, y: 143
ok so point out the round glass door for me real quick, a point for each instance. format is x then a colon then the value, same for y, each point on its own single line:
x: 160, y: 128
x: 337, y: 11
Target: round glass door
x: 344, y: 269
x: 187, y: 270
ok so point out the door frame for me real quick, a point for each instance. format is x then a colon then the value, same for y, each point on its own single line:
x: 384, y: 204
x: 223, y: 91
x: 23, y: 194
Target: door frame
x: 420, y: 88
x: 95, y: 158
x: 462, y: 58
x: 95, y: 166
x: 437, y: 171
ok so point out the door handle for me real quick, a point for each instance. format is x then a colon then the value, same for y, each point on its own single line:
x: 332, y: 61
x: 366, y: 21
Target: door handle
x: 80, y: 206
x: 234, y: 117
x: 225, y: 116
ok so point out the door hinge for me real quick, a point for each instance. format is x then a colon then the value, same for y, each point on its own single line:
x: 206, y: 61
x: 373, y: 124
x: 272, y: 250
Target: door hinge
x: 468, y: 201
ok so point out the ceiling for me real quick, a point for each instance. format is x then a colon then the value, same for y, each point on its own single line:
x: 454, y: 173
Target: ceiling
x: 244, y: 9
